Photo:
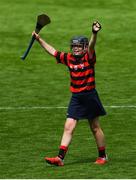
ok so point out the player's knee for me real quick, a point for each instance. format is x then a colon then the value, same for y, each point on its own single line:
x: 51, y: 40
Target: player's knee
x: 68, y: 130
x: 70, y: 126
x: 95, y: 126
x: 95, y: 129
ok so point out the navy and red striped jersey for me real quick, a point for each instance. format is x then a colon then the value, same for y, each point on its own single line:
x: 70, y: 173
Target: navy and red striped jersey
x: 81, y: 70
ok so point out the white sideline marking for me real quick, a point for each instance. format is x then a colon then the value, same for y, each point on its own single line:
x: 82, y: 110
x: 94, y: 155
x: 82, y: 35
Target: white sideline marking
x: 32, y: 107
x: 59, y: 107
x: 123, y: 106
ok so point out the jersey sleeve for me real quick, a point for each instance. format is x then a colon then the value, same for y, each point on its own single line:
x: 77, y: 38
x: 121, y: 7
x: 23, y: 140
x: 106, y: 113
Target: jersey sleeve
x: 92, y: 57
x: 61, y: 57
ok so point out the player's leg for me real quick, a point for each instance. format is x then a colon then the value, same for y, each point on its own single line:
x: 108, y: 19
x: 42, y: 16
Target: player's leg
x: 69, y: 127
x: 100, y: 140
x: 97, y: 132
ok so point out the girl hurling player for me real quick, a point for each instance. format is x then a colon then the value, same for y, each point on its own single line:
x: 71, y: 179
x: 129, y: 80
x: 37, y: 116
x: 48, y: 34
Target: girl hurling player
x: 84, y: 102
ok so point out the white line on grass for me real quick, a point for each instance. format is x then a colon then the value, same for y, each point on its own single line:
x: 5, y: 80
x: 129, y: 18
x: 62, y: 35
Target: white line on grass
x: 32, y: 107
x: 121, y: 106
x: 60, y: 107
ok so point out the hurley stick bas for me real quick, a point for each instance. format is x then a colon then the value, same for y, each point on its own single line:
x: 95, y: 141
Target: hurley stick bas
x: 42, y: 20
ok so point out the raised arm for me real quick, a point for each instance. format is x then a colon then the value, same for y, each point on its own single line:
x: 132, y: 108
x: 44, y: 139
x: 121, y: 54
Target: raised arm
x: 96, y: 26
x: 51, y: 50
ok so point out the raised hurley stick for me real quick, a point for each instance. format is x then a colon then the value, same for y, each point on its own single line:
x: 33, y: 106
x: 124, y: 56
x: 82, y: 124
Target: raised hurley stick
x: 42, y: 20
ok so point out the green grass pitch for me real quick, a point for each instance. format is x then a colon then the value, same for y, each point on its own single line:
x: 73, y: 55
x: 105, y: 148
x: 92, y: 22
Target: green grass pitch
x: 27, y: 135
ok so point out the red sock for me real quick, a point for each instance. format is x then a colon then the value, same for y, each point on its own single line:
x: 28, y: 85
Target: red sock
x: 62, y: 151
x: 101, y: 151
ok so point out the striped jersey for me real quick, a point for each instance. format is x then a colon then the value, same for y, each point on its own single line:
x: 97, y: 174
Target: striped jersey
x: 81, y: 70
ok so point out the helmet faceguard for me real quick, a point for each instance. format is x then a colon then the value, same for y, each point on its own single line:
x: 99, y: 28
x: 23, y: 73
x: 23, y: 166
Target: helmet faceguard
x: 79, y: 41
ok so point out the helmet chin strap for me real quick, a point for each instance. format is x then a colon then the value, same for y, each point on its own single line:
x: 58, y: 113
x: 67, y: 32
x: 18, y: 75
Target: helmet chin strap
x: 80, y: 55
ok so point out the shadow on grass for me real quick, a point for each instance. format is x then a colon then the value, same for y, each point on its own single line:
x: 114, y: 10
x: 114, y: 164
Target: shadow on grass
x: 78, y: 161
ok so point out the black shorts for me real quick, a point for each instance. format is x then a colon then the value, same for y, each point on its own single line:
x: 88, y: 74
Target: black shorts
x: 85, y: 105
